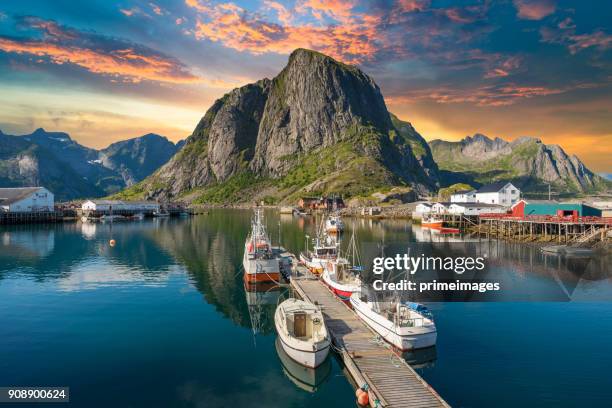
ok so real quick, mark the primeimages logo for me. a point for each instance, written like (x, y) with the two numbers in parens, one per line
(410, 264)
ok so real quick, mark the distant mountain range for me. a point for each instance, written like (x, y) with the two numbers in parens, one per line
(70, 170)
(527, 162)
(607, 176)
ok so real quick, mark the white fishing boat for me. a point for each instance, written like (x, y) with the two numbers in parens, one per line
(406, 325)
(324, 250)
(302, 332)
(261, 262)
(342, 275)
(334, 224)
(161, 214)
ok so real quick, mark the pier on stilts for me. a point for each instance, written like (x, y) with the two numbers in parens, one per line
(575, 231)
(390, 380)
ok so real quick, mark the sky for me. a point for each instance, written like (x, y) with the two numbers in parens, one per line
(104, 71)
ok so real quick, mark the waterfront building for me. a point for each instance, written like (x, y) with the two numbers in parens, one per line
(423, 208)
(553, 208)
(118, 205)
(476, 208)
(440, 208)
(503, 193)
(464, 196)
(26, 199)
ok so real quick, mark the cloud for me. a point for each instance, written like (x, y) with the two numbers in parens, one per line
(98, 54)
(156, 9)
(344, 29)
(353, 41)
(565, 34)
(284, 16)
(488, 95)
(534, 9)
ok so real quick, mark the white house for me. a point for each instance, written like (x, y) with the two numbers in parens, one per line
(440, 208)
(423, 208)
(503, 193)
(476, 208)
(465, 196)
(26, 199)
(102, 205)
(115, 205)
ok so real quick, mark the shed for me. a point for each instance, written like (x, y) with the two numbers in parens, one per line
(553, 208)
(26, 199)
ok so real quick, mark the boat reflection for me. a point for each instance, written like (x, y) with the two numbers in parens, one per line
(421, 358)
(307, 379)
(261, 299)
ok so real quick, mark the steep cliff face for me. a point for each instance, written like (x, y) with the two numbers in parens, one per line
(526, 161)
(319, 126)
(315, 102)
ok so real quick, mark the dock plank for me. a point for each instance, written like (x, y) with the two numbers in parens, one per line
(390, 379)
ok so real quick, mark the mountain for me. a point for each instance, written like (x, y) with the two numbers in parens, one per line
(320, 126)
(23, 163)
(70, 170)
(135, 159)
(607, 176)
(527, 162)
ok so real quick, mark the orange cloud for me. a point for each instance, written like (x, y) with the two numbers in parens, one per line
(340, 10)
(353, 41)
(125, 63)
(534, 9)
(284, 16)
(493, 95)
(598, 39)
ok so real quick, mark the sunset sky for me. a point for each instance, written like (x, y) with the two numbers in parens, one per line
(105, 71)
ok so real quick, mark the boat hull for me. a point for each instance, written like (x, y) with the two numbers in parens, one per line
(308, 358)
(432, 224)
(344, 292)
(261, 270)
(315, 267)
(403, 339)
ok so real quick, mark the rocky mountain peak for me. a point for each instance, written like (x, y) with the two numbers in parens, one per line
(316, 106)
(526, 161)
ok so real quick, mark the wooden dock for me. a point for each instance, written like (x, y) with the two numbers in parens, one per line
(390, 379)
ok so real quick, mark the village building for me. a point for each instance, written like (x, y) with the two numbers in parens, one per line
(423, 208)
(118, 205)
(464, 196)
(476, 208)
(440, 208)
(554, 209)
(502, 193)
(26, 199)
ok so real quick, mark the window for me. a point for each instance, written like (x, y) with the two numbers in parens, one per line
(513, 191)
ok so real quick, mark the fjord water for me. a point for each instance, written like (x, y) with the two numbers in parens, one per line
(163, 320)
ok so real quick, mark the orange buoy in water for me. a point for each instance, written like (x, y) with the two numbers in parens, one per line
(359, 392)
(112, 242)
(363, 398)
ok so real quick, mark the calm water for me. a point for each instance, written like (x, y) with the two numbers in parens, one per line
(163, 320)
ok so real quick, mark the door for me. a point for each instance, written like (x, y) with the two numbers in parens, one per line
(299, 324)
